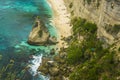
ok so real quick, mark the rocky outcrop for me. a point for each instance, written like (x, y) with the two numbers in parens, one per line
(40, 35)
(56, 67)
(105, 13)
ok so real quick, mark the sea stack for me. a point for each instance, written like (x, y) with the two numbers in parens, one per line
(40, 34)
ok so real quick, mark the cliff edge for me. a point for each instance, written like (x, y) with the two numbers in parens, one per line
(104, 13)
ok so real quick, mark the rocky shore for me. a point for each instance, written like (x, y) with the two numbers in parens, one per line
(56, 66)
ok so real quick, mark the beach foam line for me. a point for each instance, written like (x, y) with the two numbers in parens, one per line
(61, 19)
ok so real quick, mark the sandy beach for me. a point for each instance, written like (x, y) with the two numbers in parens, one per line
(61, 20)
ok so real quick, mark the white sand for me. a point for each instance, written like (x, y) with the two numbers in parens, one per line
(61, 20)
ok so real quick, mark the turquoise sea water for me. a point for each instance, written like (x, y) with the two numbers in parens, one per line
(16, 20)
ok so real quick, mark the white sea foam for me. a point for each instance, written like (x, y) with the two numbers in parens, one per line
(35, 63)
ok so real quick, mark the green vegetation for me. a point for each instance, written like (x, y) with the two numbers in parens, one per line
(71, 5)
(90, 1)
(92, 61)
(40, 33)
(113, 29)
(116, 28)
(119, 49)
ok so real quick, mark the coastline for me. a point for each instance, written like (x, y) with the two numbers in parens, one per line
(61, 20)
(56, 66)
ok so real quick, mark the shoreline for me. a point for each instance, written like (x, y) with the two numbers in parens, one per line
(56, 66)
(61, 20)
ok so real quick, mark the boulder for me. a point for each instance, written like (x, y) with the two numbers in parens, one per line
(43, 70)
(52, 64)
(63, 54)
(54, 71)
(52, 40)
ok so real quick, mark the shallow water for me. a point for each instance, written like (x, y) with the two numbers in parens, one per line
(16, 20)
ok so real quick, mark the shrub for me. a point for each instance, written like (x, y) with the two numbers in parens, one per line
(77, 52)
(119, 49)
(92, 60)
(71, 5)
(74, 54)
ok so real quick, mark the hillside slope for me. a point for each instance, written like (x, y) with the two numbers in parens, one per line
(105, 13)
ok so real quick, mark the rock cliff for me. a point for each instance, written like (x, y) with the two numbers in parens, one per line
(105, 13)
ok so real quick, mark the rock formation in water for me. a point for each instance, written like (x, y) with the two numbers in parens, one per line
(105, 13)
(40, 34)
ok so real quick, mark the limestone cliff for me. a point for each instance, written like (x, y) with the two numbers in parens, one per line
(105, 13)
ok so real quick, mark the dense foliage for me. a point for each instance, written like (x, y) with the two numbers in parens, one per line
(92, 61)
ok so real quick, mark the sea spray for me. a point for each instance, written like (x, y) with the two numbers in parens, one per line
(34, 65)
(14, 33)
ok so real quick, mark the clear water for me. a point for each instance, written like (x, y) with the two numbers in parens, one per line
(16, 20)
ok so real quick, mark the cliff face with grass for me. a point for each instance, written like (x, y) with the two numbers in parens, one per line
(92, 60)
(98, 22)
(105, 13)
(94, 46)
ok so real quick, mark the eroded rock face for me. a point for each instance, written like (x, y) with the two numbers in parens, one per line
(40, 34)
(105, 13)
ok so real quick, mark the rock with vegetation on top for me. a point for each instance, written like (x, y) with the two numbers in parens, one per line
(40, 35)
